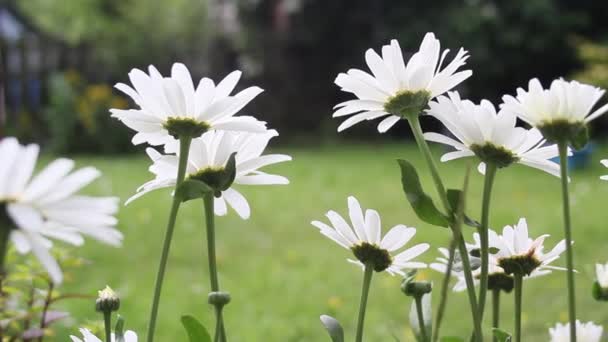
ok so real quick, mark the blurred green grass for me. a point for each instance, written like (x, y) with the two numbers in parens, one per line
(282, 273)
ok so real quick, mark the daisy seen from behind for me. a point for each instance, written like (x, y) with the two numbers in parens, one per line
(395, 89)
(490, 135)
(171, 107)
(585, 332)
(207, 161)
(87, 336)
(38, 208)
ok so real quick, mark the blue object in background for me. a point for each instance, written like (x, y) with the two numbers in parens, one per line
(579, 159)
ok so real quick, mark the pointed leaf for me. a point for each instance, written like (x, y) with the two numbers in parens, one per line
(191, 189)
(333, 328)
(421, 203)
(230, 172)
(501, 335)
(454, 198)
(196, 331)
(119, 329)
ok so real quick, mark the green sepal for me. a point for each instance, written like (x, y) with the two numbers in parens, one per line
(333, 327)
(454, 196)
(196, 331)
(599, 293)
(421, 203)
(119, 328)
(191, 189)
(501, 336)
(580, 139)
(230, 170)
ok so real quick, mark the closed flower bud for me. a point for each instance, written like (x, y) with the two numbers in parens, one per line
(219, 298)
(107, 300)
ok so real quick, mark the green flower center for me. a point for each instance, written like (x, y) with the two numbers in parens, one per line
(407, 103)
(575, 133)
(492, 154)
(215, 177)
(521, 265)
(179, 127)
(369, 254)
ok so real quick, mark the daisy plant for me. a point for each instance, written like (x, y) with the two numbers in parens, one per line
(495, 140)
(371, 251)
(396, 90)
(172, 111)
(216, 162)
(36, 208)
(562, 114)
(519, 256)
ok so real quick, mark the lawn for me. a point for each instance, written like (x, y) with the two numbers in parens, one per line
(282, 273)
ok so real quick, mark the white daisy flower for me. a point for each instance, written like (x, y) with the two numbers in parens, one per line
(519, 254)
(605, 163)
(363, 238)
(170, 104)
(585, 332)
(563, 101)
(601, 275)
(491, 136)
(87, 336)
(207, 160)
(395, 89)
(46, 206)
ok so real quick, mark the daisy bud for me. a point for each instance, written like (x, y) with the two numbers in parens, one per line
(412, 288)
(600, 286)
(500, 281)
(407, 104)
(107, 300)
(219, 298)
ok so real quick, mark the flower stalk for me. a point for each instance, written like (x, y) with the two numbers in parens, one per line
(423, 332)
(367, 278)
(518, 280)
(495, 311)
(483, 235)
(220, 333)
(414, 122)
(444, 290)
(184, 143)
(563, 160)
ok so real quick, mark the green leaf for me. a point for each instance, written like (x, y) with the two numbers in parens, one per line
(453, 199)
(191, 189)
(196, 331)
(451, 339)
(421, 203)
(333, 328)
(501, 335)
(119, 329)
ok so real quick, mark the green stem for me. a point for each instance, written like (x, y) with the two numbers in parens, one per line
(483, 235)
(563, 160)
(423, 334)
(184, 149)
(518, 294)
(495, 311)
(4, 237)
(209, 201)
(107, 321)
(444, 290)
(367, 279)
(457, 234)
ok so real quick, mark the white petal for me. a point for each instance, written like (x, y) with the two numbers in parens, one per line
(237, 202)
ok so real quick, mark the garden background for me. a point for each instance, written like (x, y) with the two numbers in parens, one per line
(60, 59)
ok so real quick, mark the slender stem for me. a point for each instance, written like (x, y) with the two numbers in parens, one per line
(4, 237)
(215, 284)
(563, 160)
(444, 290)
(107, 321)
(367, 279)
(184, 149)
(495, 311)
(423, 333)
(424, 148)
(45, 309)
(518, 294)
(483, 236)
